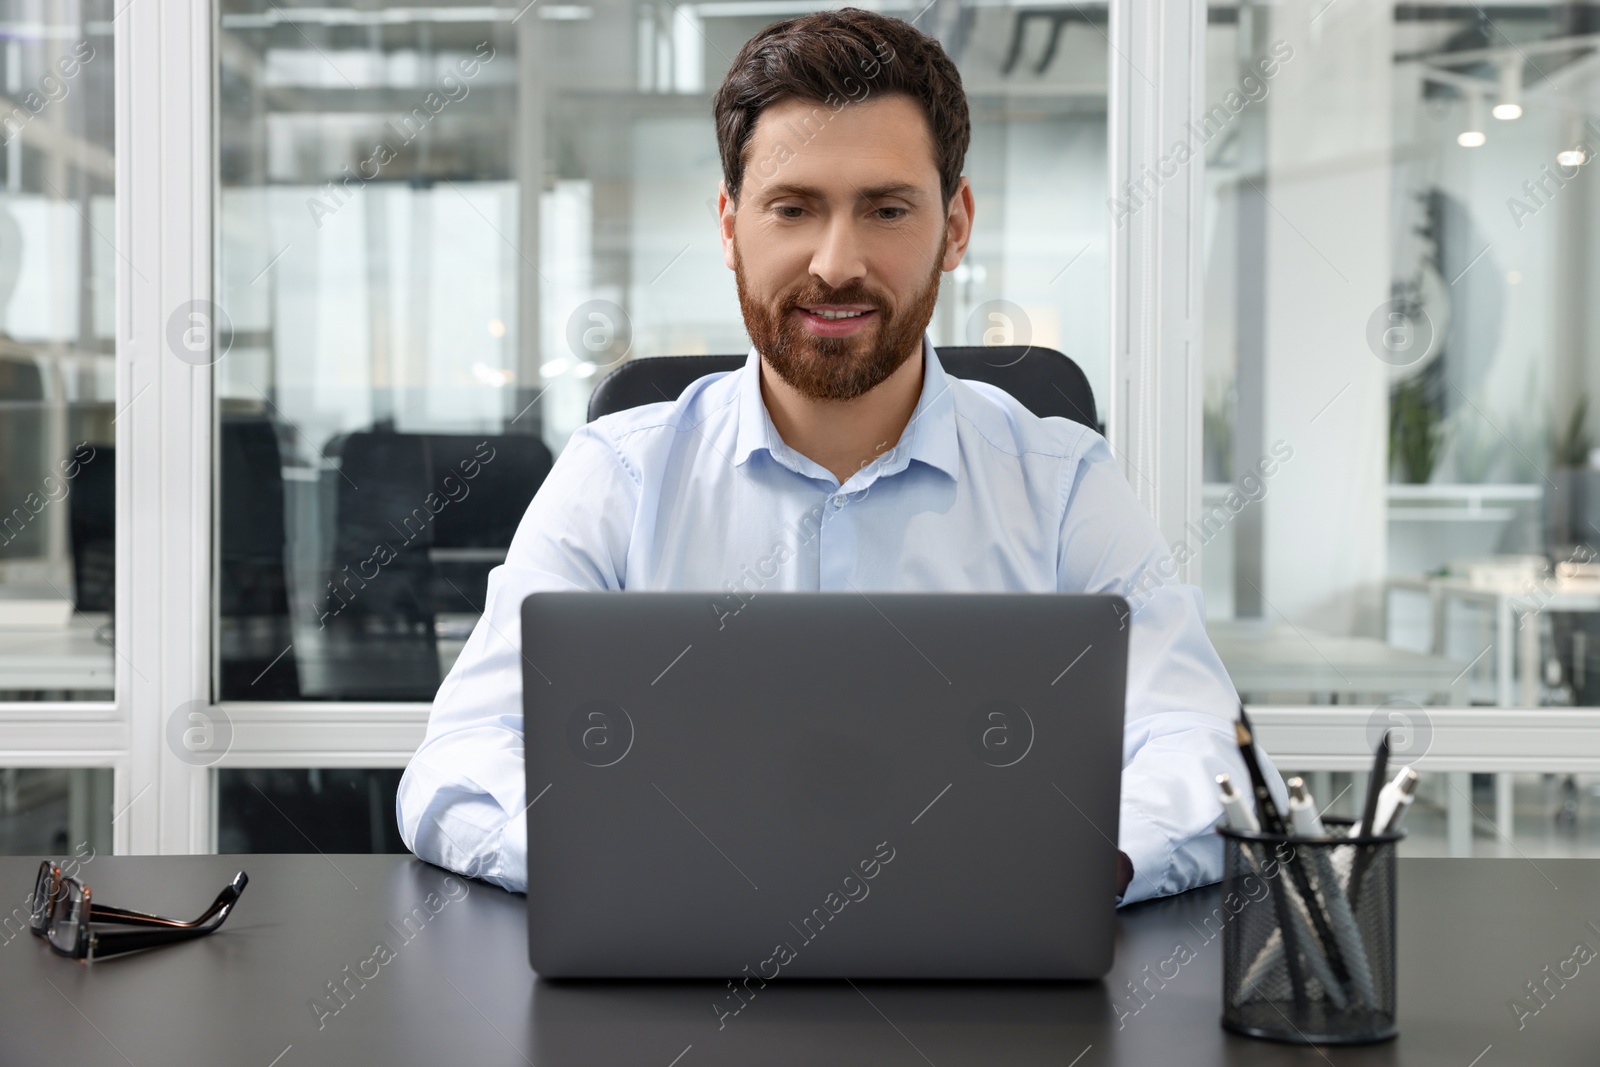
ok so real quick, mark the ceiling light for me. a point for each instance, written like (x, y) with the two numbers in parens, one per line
(1472, 136)
(1510, 94)
(1575, 150)
(497, 377)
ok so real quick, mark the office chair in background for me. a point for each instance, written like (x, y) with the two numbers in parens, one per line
(23, 463)
(1043, 380)
(381, 634)
(92, 528)
(257, 658)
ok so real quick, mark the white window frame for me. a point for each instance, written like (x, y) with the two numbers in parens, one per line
(165, 180)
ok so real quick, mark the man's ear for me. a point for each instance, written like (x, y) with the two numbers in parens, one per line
(725, 213)
(959, 225)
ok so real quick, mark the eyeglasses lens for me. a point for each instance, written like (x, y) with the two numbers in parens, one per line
(69, 917)
(43, 900)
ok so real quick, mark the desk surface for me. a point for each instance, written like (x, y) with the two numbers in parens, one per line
(1472, 932)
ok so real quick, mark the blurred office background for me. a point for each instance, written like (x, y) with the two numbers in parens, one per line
(1419, 170)
(436, 225)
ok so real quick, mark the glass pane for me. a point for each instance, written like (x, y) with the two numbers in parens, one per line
(57, 345)
(439, 226)
(315, 810)
(56, 812)
(1402, 488)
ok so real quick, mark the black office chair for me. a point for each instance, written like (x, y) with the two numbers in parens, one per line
(376, 613)
(92, 524)
(23, 462)
(1045, 381)
(380, 629)
(470, 537)
(257, 656)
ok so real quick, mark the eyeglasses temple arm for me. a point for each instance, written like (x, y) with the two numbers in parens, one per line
(131, 941)
(106, 913)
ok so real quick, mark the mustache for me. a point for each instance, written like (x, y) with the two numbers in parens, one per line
(841, 296)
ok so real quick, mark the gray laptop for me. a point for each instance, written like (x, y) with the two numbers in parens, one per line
(822, 785)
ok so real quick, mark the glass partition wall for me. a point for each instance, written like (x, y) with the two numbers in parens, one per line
(57, 389)
(438, 226)
(1402, 488)
(57, 376)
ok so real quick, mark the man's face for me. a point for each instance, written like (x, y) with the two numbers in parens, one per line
(839, 239)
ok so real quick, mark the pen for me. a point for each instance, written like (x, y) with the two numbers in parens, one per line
(1307, 823)
(1234, 808)
(1272, 820)
(1302, 812)
(1238, 816)
(1272, 954)
(1395, 801)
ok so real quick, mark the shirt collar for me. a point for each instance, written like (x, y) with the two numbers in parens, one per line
(929, 437)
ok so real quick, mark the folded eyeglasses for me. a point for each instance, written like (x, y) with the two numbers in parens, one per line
(64, 909)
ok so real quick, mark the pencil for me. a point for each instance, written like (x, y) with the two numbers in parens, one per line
(1273, 821)
(1266, 808)
(1380, 767)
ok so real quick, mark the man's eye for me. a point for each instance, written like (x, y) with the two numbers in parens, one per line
(890, 218)
(783, 212)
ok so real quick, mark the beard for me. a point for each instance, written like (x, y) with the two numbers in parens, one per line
(835, 368)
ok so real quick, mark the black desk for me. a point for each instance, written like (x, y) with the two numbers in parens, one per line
(1472, 932)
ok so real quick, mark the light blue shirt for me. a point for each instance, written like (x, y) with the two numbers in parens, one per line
(700, 493)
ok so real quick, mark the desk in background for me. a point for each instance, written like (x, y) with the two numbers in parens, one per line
(1516, 644)
(1264, 657)
(459, 991)
(1517, 662)
(71, 657)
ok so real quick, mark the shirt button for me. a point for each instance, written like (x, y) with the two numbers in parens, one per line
(839, 500)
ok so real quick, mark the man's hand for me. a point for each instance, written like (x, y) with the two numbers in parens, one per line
(1124, 872)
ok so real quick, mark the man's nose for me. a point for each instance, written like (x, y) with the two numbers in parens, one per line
(838, 259)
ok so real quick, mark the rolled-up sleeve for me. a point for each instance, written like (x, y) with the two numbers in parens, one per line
(1181, 705)
(462, 801)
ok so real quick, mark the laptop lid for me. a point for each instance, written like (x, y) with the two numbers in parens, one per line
(823, 785)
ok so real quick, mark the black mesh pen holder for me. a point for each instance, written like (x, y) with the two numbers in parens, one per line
(1308, 936)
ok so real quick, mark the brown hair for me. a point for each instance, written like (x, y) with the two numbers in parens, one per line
(835, 58)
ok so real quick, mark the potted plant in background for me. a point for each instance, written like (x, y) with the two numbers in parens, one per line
(1216, 433)
(1572, 511)
(1416, 432)
(1572, 532)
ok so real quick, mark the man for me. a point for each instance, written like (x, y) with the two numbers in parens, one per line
(840, 457)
